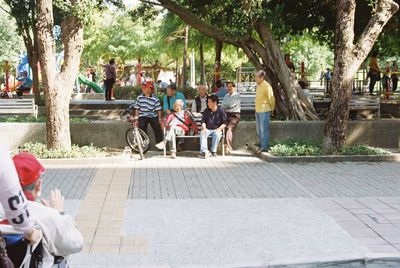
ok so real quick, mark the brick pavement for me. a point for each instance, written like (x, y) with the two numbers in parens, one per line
(363, 198)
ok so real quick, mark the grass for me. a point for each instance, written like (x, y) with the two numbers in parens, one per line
(40, 150)
(298, 147)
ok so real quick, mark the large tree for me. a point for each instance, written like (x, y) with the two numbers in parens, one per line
(353, 41)
(71, 17)
(246, 26)
(58, 86)
(349, 54)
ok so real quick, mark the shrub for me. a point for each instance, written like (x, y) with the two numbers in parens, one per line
(126, 92)
(293, 147)
(40, 150)
(362, 150)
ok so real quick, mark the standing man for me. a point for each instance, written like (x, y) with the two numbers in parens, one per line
(170, 98)
(212, 124)
(265, 104)
(374, 72)
(231, 105)
(148, 109)
(111, 76)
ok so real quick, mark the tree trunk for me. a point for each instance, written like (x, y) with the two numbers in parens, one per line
(272, 60)
(58, 87)
(217, 65)
(185, 58)
(348, 58)
(202, 66)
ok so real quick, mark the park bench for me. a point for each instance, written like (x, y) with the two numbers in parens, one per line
(18, 107)
(197, 119)
(247, 102)
(317, 91)
(365, 104)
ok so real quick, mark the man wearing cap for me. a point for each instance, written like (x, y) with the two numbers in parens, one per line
(14, 205)
(60, 234)
(26, 84)
(148, 109)
(170, 98)
(178, 123)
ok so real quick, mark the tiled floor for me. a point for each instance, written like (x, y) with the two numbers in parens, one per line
(363, 198)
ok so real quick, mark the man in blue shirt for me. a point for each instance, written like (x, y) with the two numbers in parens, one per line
(148, 109)
(26, 84)
(171, 97)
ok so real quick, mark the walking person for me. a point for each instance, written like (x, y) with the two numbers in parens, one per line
(231, 105)
(265, 104)
(148, 109)
(111, 76)
(374, 72)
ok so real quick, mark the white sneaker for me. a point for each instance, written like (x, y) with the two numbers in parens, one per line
(160, 145)
(173, 155)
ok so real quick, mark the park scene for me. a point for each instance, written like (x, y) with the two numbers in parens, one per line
(166, 133)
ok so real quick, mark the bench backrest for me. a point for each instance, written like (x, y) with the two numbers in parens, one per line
(365, 103)
(18, 106)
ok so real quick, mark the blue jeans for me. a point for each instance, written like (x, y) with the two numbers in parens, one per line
(216, 137)
(262, 125)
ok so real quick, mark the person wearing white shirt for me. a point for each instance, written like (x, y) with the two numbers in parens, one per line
(231, 105)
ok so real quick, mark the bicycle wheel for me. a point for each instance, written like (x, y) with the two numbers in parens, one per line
(133, 143)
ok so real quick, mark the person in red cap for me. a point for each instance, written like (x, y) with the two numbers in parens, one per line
(14, 206)
(29, 171)
(61, 237)
(148, 109)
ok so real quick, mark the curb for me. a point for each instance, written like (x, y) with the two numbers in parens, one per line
(391, 157)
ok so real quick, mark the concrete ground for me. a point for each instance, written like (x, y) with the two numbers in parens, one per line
(233, 211)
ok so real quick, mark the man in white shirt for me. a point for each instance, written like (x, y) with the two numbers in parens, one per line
(231, 105)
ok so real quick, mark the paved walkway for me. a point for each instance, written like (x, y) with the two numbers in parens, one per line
(236, 210)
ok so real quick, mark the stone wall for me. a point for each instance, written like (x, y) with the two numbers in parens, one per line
(380, 133)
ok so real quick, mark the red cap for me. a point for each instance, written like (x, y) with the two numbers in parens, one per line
(149, 84)
(28, 168)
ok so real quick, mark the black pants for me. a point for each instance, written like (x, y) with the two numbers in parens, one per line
(21, 90)
(109, 83)
(155, 125)
(394, 84)
(372, 81)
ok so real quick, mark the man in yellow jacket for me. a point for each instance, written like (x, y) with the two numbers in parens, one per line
(265, 104)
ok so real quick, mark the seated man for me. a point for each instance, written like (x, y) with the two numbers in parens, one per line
(179, 123)
(61, 238)
(200, 102)
(26, 84)
(231, 105)
(213, 122)
(148, 109)
(170, 98)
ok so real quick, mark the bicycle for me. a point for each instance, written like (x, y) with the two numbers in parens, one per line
(136, 138)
